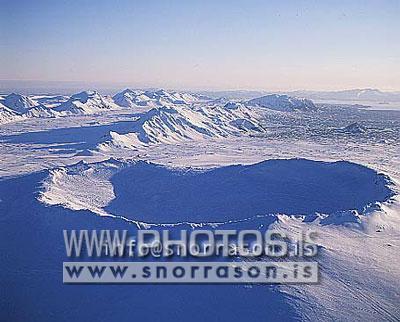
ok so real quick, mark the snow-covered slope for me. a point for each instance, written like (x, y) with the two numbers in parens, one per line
(130, 98)
(99, 191)
(283, 103)
(180, 122)
(18, 103)
(133, 98)
(358, 269)
(40, 111)
(15, 107)
(7, 115)
(87, 102)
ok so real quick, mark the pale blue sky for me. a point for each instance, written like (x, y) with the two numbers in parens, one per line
(272, 45)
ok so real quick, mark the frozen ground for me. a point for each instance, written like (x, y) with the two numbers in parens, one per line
(61, 165)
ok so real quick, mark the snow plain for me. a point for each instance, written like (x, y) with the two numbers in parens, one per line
(333, 168)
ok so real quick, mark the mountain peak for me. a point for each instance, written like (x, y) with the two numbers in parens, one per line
(84, 96)
(86, 102)
(18, 103)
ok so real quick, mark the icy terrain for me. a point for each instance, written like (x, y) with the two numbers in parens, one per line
(156, 158)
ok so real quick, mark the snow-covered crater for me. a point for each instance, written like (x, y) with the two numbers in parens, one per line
(145, 192)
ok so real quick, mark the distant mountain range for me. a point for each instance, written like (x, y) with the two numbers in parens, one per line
(352, 95)
(368, 94)
(130, 98)
(172, 107)
(15, 107)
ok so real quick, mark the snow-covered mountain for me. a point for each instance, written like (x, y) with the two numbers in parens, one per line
(7, 115)
(40, 111)
(233, 105)
(178, 123)
(18, 103)
(130, 98)
(87, 102)
(281, 102)
(134, 98)
(16, 107)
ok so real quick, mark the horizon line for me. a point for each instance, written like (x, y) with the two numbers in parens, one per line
(129, 85)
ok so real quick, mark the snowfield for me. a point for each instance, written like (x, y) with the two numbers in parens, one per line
(145, 159)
